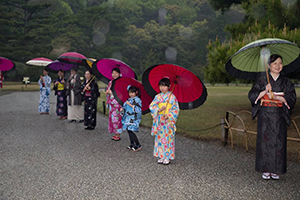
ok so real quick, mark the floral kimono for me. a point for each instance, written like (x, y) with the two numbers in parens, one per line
(115, 117)
(132, 116)
(164, 130)
(45, 90)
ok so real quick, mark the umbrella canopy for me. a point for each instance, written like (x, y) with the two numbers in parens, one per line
(71, 57)
(119, 89)
(39, 62)
(6, 64)
(56, 65)
(188, 88)
(102, 69)
(88, 63)
(246, 63)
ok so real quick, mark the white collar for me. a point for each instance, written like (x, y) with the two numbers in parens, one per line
(275, 79)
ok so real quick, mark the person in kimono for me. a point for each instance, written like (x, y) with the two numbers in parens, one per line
(273, 117)
(164, 110)
(75, 110)
(115, 117)
(131, 120)
(45, 90)
(60, 88)
(90, 93)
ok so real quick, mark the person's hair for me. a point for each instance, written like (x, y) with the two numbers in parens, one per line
(46, 69)
(61, 71)
(74, 69)
(88, 71)
(274, 57)
(164, 82)
(133, 89)
(116, 70)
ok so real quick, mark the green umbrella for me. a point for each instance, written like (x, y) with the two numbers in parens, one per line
(250, 61)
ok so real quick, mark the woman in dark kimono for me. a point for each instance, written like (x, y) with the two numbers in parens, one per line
(272, 119)
(90, 94)
(60, 90)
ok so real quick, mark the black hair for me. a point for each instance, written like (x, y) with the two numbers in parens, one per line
(274, 57)
(46, 69)
(60, 70)
(116, 70)
(164, 82)
(133, 89)
(74, 69)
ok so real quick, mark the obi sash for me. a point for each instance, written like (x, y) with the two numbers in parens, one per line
(88, 93)
(160, 105)
(267, 102)
(60, 86)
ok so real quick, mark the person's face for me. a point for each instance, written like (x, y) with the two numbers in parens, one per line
(163, 88)
(115, 74)
(87, 75)
(60, 74)
(132, 94)
(45, 73)
(73, 73)
(276, 66)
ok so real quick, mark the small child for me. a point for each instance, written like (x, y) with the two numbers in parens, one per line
(132, 117)
(164, 118)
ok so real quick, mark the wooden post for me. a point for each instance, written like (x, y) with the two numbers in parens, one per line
(104, 107)
(226, 130)
(223, 129)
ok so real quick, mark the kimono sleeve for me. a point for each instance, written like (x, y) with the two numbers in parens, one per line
(290, 97)
(154, 107)
(138, 106)
(48, 82)
(174, 110)
(253, 94)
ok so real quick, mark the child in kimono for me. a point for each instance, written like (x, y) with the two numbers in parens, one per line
(132, 117)
(164, 110)
(115, 117)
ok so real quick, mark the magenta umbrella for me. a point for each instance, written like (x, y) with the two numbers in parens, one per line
(102, 69)
(41, 61)
(6, 64)
(120, 90)
(71, 57)
(56, 65)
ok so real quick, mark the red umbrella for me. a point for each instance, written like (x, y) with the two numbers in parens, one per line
(71, 57)
(39, 61)
(6, 64)
(120, 92)
(102, 69)
(186, 86)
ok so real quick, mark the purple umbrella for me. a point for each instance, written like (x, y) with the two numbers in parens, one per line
(102, 69)
(6, 64)
(57, 65)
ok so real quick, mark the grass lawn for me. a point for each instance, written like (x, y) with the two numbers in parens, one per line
(192, 122)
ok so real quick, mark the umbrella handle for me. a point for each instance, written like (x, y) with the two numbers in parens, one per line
(169, 99)
(90, 81)
(268, 79)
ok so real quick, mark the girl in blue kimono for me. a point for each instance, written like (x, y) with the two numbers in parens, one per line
(45, 90)
(132, 117)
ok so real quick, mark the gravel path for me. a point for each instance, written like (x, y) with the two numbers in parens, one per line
(42, 157)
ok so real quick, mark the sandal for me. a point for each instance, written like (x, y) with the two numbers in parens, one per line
(115, 138)
(160, 161)
(137, 148)
(266, 176)
(166, 162)
(274, 176)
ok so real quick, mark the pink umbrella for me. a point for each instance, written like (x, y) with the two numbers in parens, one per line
(71, 57)
(39, 61)
(6, 64)
(119, 89)
(102, 69)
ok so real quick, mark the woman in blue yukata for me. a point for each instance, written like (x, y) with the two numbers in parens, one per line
(45, 90)
(132, 117)
(164, 110)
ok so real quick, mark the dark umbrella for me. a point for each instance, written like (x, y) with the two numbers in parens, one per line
(102, 69)
(71, 57)
(56, 65)
(186, 86)
(119, 89)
